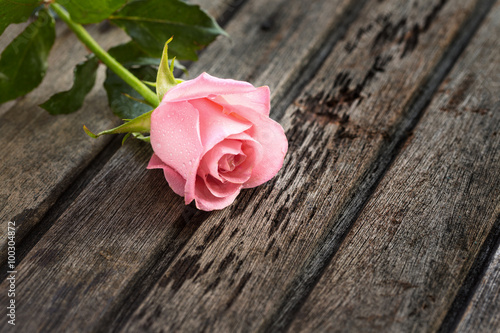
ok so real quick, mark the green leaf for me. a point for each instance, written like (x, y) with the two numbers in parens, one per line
(141, 124)
(130, 53)
(165, 78)
(24, 62)
(117, 91)
(71, 100)
(16, 11)
(141, 65)
(91, 11)
(151, 22)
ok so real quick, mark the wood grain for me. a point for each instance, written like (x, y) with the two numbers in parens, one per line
(95, 258)
(401, 265)
(237, 271)
(483, 312)
(43, 154)
(221, 10)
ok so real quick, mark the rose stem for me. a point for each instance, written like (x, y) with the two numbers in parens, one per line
(104, 56)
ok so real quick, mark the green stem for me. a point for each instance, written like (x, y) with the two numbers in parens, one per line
(104, 56)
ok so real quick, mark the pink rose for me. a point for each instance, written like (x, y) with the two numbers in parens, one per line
(213, 137)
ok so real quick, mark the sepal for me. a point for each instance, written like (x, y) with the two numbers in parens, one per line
(135, 127)
(165, 78)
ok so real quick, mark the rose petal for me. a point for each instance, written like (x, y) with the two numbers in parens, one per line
(258, 100)
(274, 139)
(174, 179)
(204, 86)
(197, 116)
(205, 200)
(175, 138)
(270, 135)
(228, 163)
(221, 189)
(209, 163)
(215, 126)
(253, 152)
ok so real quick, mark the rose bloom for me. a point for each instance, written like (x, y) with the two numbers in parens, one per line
(213, 137)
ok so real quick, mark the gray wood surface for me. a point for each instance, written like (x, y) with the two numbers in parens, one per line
(388, 193)
(483, 312)
(219, 9)
(108, 242)
(43, 154)
(402, 263)
(239, 270)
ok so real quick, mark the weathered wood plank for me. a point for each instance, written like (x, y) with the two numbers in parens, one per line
(272, 46)
(409, 251)
(483, 312)
(239, 269)
(108, 242)
(219, 9)
(42, 154)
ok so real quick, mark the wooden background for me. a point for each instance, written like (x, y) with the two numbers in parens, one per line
(385, 216)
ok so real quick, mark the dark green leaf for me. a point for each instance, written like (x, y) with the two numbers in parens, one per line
(24, 62)
(143, 66)
(72, 100)
(16, 11)
(130, 54)
(140, 64)
(152, 22)
(91, 11)
(117, 89)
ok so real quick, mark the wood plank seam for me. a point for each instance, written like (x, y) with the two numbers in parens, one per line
(483, 312)
(471, 283)
(387, 205)
(314, 63)
(115, 317)
(62, 203)
(302, 286)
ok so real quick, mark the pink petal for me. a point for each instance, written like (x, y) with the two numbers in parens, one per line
(215, 126)
(221, 189)
(174, 179)
(204, 86)
(205, 200)
(175, 138)
(228, 163)
(253, 152)
(209, 163)
(271, 136)
(258, 100)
